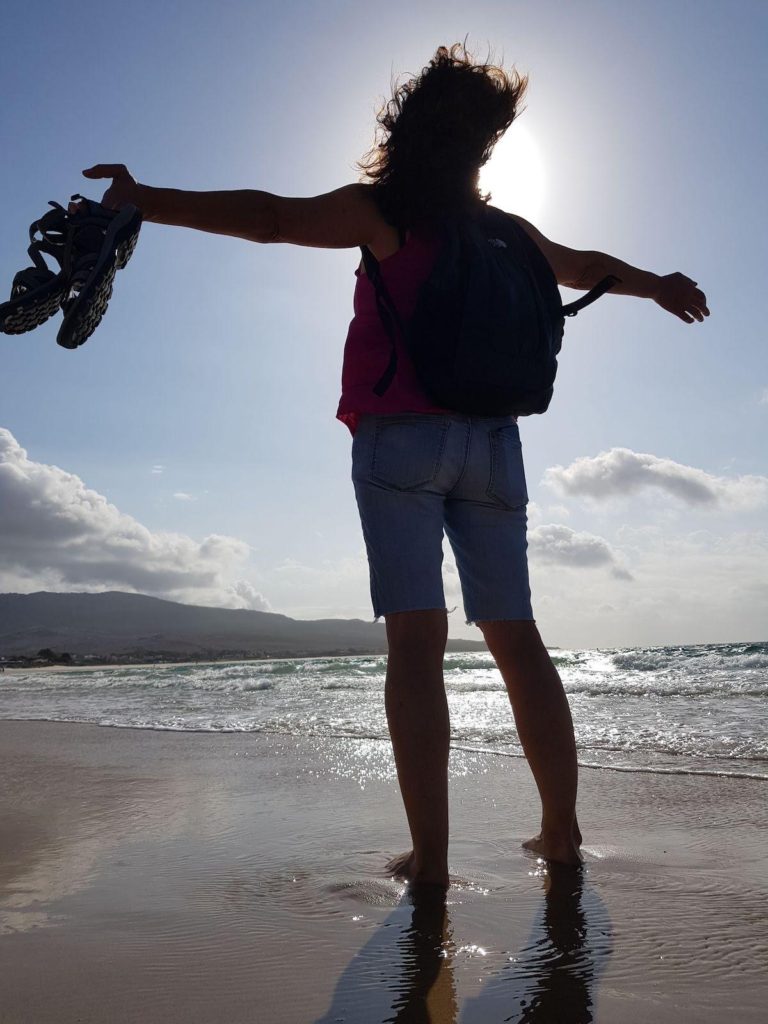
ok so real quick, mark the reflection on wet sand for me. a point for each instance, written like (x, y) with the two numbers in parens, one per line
(427, 990)
(66, 822)
(404, 974)
(553, 979)
(50, 856)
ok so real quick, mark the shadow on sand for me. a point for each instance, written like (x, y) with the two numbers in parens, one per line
(405, 975)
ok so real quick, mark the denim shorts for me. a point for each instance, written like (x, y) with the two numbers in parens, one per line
(417, 475)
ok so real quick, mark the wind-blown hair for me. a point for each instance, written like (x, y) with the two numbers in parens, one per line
(438, 130)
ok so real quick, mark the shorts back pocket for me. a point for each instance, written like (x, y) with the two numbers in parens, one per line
(507, 485)
(407, 450)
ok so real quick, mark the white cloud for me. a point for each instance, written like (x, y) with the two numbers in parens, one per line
(621, 472)
(556, 544)
(58, 534)
(157, 470)
(535, 514)
(183, 496)
(558, 512)
(252, 598)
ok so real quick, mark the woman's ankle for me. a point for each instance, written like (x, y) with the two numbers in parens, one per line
(429, 869)
(558, 828)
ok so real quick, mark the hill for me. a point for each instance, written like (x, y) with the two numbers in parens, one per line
(138, 627)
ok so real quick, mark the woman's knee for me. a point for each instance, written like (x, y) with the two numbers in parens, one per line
(512, 637)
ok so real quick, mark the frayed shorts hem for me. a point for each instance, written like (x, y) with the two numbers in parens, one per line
(499, 618)
(397, 610)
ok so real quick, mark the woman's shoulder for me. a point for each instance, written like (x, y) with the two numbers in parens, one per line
(390, 234)
(370, 197)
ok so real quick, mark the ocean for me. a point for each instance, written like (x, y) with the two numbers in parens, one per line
(698, 709)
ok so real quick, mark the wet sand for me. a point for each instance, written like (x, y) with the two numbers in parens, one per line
(156, 876)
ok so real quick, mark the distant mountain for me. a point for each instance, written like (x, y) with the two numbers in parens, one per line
(115, 623)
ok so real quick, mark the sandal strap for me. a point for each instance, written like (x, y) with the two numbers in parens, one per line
(73, 240)
(52, 225)
(52, 228)
(93, 213)
(86, 229)
(55, 249)
(29, 279)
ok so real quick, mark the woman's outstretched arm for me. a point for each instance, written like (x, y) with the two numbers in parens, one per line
(576, 268)
(344, 218)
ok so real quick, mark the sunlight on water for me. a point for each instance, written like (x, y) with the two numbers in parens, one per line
(666, 709)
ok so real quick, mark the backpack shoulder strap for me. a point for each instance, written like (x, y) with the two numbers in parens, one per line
(594, 293)
(504, 221)
(388, 314)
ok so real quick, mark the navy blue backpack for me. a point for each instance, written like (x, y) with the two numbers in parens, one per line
(489, 320)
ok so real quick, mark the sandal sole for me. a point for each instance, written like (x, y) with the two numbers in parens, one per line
(88, 309)
(29, 311)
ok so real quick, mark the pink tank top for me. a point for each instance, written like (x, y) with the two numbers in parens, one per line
(368, 347)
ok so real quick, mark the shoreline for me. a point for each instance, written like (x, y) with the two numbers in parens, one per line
(458, 746)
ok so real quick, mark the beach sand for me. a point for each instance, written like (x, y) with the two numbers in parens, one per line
(198, 877)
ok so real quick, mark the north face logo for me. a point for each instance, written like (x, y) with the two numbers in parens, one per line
(497, 243)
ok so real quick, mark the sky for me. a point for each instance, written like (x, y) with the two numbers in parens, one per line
(190, 450)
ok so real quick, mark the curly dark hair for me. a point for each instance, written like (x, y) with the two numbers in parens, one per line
(438, 130)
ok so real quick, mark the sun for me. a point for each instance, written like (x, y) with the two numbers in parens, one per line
(515, 175)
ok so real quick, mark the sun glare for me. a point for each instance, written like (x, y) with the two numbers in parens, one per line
(515, 174)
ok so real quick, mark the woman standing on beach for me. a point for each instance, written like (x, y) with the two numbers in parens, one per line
(420, 469)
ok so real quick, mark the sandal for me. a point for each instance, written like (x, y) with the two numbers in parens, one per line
(100, 242)
(37, 292)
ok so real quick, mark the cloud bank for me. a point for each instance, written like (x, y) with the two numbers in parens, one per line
(58, 534)
(620, 472)
(556, 544)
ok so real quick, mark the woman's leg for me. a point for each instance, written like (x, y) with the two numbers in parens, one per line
(545, 728)
(417, 714)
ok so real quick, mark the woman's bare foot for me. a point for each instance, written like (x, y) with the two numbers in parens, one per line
(404, 866)
(562, 851)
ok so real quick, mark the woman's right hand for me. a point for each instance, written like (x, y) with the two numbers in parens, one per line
(124, 188)
(680, 295)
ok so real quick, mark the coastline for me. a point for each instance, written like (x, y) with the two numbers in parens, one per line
(203, 877)
(271, 659)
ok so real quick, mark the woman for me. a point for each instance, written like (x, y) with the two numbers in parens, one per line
(419, 469)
